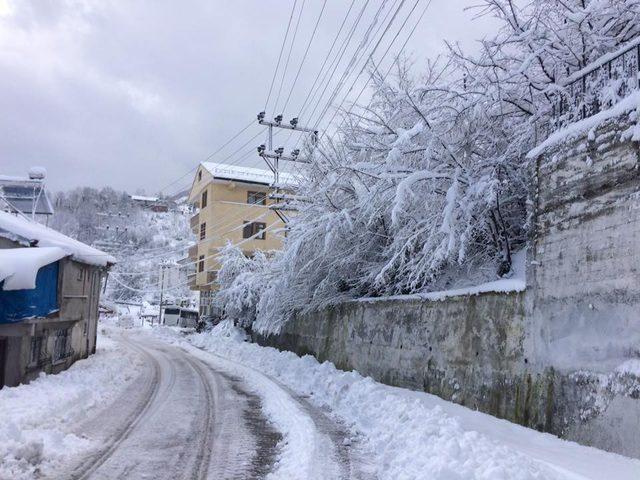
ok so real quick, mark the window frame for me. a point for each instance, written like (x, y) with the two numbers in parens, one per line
(204, 198)
(203, 230)
(253, 228)
(254, 194)
(201, 264)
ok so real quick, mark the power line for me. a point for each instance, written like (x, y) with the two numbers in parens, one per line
(395, 14)
(284, 41)
(211, 155)
(286, 65)
(326, 58)
(304, 57)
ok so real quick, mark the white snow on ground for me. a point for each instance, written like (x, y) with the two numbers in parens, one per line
(35, 419)
(413, 435)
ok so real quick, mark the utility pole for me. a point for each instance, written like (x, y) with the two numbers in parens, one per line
(161, 294)
(273, 157)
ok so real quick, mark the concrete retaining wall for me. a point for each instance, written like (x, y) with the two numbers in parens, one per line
(546, 358)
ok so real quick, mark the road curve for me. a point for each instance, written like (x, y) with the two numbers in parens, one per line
(180, 419)
(195, 416)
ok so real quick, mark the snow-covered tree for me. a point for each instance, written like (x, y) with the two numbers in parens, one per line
(425, 187)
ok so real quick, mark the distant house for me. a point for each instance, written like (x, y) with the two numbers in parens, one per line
(154, 204)
(49, 299)
(26, 195)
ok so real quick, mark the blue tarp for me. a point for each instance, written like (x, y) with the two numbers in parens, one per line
(17, 305)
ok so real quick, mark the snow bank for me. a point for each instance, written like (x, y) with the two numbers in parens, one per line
(36, 419)
(19, 266)
(577, 129)
(413, 435)
(19, 228)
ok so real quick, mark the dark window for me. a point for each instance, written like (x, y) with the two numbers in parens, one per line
(201, 263)
(203, 230)
(204, 199)
(200, 175)
(62, 344)
(257, 198)
(171, 311)
(253, 228)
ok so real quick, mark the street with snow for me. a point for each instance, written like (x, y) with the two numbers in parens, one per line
(320, 240)
(154, 403)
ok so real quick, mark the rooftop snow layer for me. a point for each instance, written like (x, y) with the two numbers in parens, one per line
(19, 266)
(247, 174)
(16, 227)
(141, 198)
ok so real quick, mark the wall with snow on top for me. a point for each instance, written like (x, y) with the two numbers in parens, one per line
(562, 356)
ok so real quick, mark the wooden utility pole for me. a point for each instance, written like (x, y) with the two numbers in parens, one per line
(161, 295)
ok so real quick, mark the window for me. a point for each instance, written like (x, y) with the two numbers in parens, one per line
(36, 350)
(200, 175)
(257, 198)
(201, 263)
(203, 230)
(253, 228)
(203, 203)
(61, 345)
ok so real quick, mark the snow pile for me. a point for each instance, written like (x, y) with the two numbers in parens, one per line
(20, 229)
(413, 435)
(35, 419)
(19, 266)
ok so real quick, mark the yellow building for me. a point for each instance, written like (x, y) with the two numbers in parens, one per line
(232, 204)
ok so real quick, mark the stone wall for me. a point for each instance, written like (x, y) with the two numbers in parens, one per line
(546, 358)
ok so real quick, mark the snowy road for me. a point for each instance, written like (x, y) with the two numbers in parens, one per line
(191, 416)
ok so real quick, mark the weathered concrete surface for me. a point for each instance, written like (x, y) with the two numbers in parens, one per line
(583, 297)
(465, 349)
(545, 358)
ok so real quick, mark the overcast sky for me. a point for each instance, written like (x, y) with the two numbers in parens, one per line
(134, 93)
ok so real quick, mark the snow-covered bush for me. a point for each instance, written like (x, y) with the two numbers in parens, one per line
(425, 188)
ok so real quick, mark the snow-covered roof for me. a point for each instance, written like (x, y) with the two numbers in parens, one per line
(141, 198)
(241, 173)
(19, 266)
(18, 228)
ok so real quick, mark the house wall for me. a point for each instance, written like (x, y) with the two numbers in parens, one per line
(78, 295)
(551, 358)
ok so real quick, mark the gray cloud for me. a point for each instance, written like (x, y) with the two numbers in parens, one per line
(133, 93)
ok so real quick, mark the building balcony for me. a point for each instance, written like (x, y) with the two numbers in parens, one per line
(194, 223)
(212, 276)
(193, 252)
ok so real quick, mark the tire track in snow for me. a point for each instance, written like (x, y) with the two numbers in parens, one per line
(152, 387)
(313, 446)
